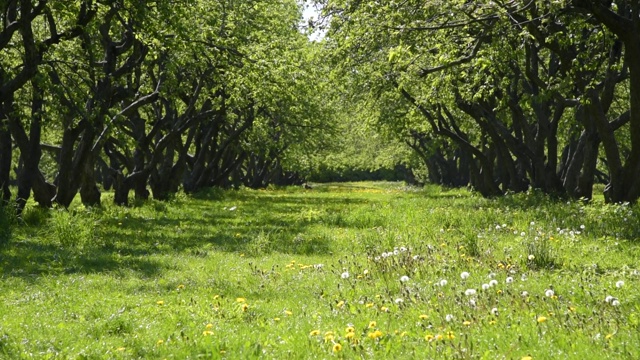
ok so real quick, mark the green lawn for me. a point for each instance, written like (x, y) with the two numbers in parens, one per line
(357, 270)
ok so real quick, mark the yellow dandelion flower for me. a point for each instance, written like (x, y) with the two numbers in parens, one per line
(328, 338)
(499, 292)
(241, 300)
(121, 349)
(608, 336)
(374, 334)
(215, 297)
(429, 337)
(501, 266)
(340, 304)
(542, 319)
(222, 352)
(424, 317)
(314, 333)
(207, 333)
(439, 337)
(209, 326)
(384, 309)
(403, 334)
(276, 319)
(372, 324)
(160, 302)
(492, 322)
(159, 342)
(288, 313)
(466, 323)
(337, 347)
(359, 277)
(180, 287)
(350, 329)
(527, 358)
(451, 335)
(350, 335)
(245, 307)
(368, 305)
(572, 308)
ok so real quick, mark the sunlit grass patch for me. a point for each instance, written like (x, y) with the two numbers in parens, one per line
(324, 273)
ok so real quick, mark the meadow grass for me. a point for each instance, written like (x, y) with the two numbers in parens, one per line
(356, 270)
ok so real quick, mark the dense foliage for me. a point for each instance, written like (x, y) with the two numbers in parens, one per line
(502, 95)
(130, 95)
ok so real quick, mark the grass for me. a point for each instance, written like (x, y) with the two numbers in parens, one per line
(340, 271)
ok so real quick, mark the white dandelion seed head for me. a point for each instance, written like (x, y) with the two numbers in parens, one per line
(524, 294)
(620, 284)
(404, 278)
(532, 223)
(443, 282)
(492, 275)
(509, 280)
(449, 318)
(416, 257)
(615, 302)
(470, 292)
(377, 258)
(486, 287)
(531, 257)
(472, 303)
(403, 249)
(494, 311)
(464, 275)
(345, 275)
(441, 231)
(493, 282)
(398, 301)
(523, 277)
(523, 233)
(396, 252)
(549, 293)
(609, 298)
(318, 266)
(504, 225)
(498, 227)
(582, 227)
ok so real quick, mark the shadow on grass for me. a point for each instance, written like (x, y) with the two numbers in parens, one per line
(128, 239)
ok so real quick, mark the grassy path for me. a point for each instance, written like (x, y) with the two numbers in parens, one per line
(363, 270)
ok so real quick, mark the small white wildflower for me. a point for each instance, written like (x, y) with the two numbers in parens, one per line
(404, 278)
(615, 302)
(531, 257)
(504, 225)
(532, 223)
(549, 293)
(620, 284)
(399, 301)
(581, 227)
(524, 294)
(498, 227)
(365, 272)
(609, 298)
(470, 292)
(345, 275)
(448, 318)
(509, 280)
(486, 287)
(493, 282)
(523, 233)
(494, 311)
(443, 282)
(464, 275)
